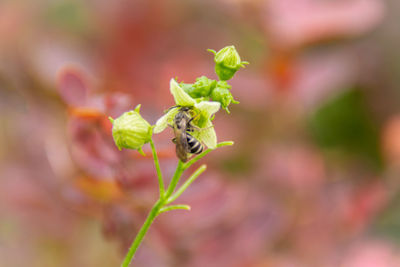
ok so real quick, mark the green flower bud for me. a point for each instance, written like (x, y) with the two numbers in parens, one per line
(204, 86)
(227, 62)
(201, 88)
(188, 88)
(222, 95)
(131, 131)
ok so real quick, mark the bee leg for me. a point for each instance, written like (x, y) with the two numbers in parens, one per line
(192, 118)
(176, 106)
(196, 116)
(202, 129)
(190, 129)
(174, 140)
(196, 128)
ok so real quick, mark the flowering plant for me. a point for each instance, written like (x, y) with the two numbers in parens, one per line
(203, 98)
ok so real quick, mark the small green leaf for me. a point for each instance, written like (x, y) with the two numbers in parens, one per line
(174, 207)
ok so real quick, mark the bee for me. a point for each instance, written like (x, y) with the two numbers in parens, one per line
(184, 141)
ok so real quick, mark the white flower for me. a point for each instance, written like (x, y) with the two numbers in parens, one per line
(203, 109)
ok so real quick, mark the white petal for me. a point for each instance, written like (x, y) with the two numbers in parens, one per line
(180, 96)
(207, 135)
(208, 108)
(165, 120)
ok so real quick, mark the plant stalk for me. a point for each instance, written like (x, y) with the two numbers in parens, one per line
(165, 197)
(142, 232)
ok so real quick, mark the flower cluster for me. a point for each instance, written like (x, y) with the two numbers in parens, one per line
(204, 98)
(227, 63)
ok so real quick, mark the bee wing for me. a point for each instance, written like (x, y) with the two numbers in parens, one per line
(182, 147)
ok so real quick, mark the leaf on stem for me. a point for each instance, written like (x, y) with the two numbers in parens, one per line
(174, 207)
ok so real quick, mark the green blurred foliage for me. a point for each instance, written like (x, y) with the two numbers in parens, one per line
(344, 124)
(238, 165)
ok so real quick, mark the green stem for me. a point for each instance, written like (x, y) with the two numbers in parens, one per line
(158, 169)
(150, 218)
(186, 184)
(154, 211)
(165, 197)
(175, 179)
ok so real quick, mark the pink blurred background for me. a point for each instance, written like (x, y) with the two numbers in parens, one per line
(313, 177)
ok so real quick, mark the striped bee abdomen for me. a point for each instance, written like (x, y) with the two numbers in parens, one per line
(195, 147)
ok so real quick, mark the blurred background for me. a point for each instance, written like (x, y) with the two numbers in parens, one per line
(313, 177)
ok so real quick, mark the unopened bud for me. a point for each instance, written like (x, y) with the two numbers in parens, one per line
(222, 94)
(227, 62)
(131, 131)
(201, 88)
